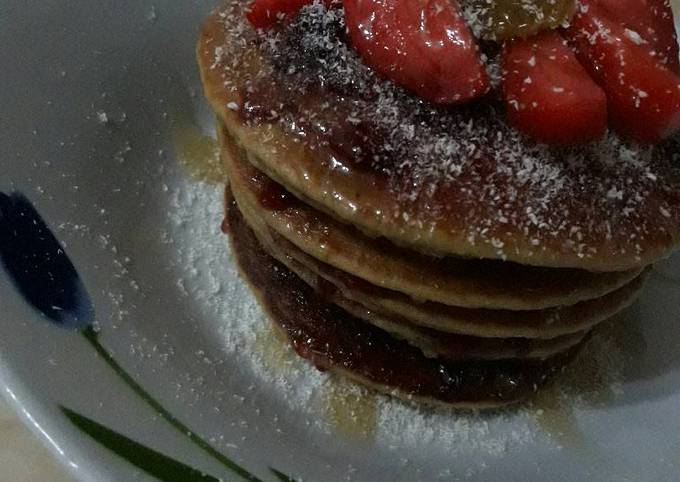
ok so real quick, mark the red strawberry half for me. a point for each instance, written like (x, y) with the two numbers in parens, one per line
(643, 95)
(548, 94)
(649, 21)
(422, 45)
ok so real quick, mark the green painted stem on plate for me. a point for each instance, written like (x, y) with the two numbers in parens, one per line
(281, 477)
(92, 337)
(154, 463)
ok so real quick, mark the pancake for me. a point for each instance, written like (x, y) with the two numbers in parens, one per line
(450, 182)
(433, 344)
(446, 346)
(334, 340)
(542, 324)
(449, 346)
(458, 282)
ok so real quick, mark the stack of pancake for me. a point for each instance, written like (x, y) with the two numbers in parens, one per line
(430, 253)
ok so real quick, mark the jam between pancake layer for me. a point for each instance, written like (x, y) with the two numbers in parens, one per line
(334, 340)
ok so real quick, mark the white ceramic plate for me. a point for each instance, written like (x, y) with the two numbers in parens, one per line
(96, 99)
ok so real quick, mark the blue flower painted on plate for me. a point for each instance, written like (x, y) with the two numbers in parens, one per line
(38, 265)
(47, 279)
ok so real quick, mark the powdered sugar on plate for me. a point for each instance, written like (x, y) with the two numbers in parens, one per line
(207, 275)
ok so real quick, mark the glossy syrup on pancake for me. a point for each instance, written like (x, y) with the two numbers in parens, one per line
(333, 340)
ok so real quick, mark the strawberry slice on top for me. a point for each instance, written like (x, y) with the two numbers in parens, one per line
(643, 94)
(548, 94)
(647, 21)
(424, 46)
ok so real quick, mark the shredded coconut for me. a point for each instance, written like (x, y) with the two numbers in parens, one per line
(468, 153)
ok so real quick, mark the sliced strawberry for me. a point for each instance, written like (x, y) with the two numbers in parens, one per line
(643, 95)
(549, 95)
(267, 13)
(649, 21)
(422, 45)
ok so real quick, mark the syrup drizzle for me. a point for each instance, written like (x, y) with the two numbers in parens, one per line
(198, 154)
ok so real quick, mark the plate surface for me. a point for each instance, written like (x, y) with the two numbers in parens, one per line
(99, 101)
